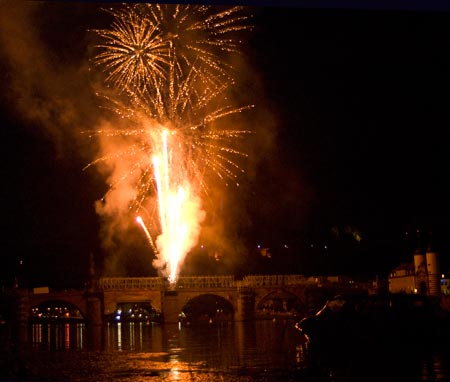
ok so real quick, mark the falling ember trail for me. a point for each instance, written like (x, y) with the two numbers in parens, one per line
(147, 234)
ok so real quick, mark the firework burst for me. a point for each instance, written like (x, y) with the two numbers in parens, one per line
(167, 63)
(133, 53)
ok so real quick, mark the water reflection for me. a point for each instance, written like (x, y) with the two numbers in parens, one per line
(132, 336)
(436, 367)
(58, 336)
(257, 351)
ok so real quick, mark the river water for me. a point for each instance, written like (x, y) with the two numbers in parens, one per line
(255, 351)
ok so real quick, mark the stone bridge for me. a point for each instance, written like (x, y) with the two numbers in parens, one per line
(252, 296)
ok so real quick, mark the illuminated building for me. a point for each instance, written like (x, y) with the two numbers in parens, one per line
(422, 276)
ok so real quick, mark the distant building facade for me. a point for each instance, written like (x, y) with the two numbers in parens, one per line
(422, 276)
(402, 279)
(445, 285)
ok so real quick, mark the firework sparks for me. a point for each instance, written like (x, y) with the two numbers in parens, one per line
(180, 212)
(150, 43)
(199, 36)
(133, 54)
(167, 60)
(140, 221)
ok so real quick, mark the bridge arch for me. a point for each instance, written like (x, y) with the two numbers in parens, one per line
(207, 307)
(113, 298)
(73, 299)
(134, 311)
(277, 302)
(56, 309)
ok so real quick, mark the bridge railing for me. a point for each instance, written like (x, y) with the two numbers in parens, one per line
(131, 283)
(205, 282)
(273, 280)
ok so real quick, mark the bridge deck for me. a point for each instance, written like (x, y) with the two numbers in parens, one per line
(206, 282)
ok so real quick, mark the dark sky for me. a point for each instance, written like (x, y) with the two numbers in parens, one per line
(361, 97)
(358, 103)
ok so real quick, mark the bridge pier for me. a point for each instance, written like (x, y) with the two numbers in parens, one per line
(22, 316)
(171, 307)
(245, 304)
(94, 321)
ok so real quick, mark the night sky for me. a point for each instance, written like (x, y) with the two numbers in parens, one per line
(349, 166)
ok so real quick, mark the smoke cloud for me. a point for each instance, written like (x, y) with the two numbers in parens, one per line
(51, 87)
(45, 88)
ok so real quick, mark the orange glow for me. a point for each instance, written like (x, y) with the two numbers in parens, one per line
(180, 211)
(171, 92)
(147, 234)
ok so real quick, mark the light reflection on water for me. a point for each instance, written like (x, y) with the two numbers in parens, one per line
(259, 351)
(153, 352)
(62, 336)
